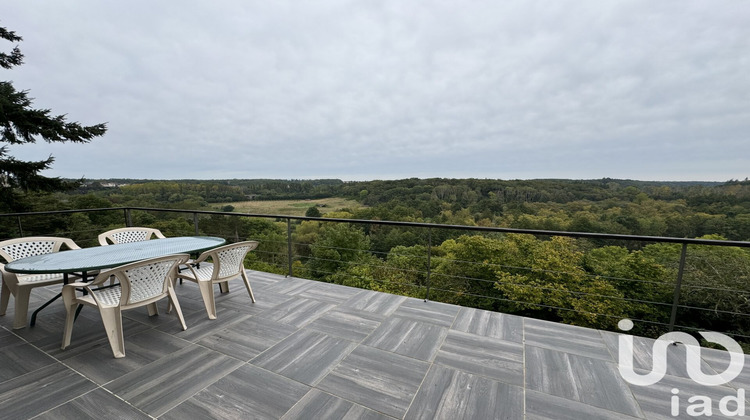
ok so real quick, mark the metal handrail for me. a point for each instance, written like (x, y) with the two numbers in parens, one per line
(536, 232)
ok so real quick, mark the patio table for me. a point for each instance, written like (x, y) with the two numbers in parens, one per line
(102, 257)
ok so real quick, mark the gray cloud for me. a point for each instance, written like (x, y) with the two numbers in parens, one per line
(389, 89)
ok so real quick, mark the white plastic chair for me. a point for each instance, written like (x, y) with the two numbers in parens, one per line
(140, 284)
(20, 285)
(129, 234)
(227, 264)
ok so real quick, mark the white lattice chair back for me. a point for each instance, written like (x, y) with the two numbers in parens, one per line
(132, 236)
(231, 260)
(139, 282)
(147, 282)
(15, 249)
(128, 235)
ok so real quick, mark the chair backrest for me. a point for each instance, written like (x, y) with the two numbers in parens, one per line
(228, 259)
(14, 249)
(129, 234)
(141, 281)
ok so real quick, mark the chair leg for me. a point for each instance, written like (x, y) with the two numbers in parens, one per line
(169, 301)
(176, 304)
(153, 309)
(207, 292)
(4, 298)
(224, 287)
(70, 308)
(22, 307)
(247, 284)
(112, 320)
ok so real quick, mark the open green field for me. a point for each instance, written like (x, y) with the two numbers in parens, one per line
(290, 207)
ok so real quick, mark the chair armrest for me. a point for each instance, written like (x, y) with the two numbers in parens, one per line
(69, 292)
(78, 284)
(202, 257)
(8, 277)
(70, 244)
(188, 266)
(102, 277)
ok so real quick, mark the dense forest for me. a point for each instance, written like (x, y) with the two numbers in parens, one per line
(676, 209)
(585, 282)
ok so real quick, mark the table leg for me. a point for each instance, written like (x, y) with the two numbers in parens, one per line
(33, 315)
(85, 277)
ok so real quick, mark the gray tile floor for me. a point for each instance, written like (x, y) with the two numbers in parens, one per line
(310, 350)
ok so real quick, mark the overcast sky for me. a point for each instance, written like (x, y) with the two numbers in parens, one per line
(388, 89)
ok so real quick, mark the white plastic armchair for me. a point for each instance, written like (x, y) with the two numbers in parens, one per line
(140, 284)
(227, 264)
(129, 234)
(20, 285)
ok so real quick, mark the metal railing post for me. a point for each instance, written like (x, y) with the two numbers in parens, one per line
(128, 220)
(20, 228)
(289, 246)
(677, 287)
(429, 265)
(195, 223)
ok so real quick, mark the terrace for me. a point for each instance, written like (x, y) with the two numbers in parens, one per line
(308, 349)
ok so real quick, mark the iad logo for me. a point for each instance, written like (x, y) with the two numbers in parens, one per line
(693, 362)
(693, 365)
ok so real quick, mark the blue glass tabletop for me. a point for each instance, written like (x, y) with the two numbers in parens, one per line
(101, 257)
